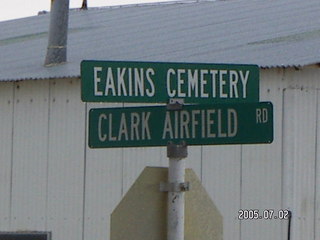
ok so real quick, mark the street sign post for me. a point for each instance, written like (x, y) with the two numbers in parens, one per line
(194, 124)
(112, 81)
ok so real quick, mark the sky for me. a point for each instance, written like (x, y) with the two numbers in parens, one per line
(13, 9)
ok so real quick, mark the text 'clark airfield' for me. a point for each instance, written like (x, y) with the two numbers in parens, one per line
(157, 82)
(196, 124)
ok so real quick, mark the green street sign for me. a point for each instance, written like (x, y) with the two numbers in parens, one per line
(196, 124)
(154, 82)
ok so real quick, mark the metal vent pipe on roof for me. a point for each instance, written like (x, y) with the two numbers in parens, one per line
(58, 31)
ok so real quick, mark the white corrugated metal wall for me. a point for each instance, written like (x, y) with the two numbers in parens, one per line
(50, 180)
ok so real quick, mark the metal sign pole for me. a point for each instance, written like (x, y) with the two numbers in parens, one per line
(176, 189)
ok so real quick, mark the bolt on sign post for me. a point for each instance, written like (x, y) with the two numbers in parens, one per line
(154, 82)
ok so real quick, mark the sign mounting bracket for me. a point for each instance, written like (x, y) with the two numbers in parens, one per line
(175, 104)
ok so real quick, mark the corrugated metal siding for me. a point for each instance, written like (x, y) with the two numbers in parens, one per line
(66, 151)
(6, 125)
(317, 188)
(261, 169)
(103, 191)
(60, 185)
(300, 120)
(30, 160)
(221, 177)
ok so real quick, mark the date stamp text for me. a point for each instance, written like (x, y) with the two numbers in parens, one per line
(266, 214)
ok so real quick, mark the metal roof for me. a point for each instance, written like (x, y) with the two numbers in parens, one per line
(270, 33)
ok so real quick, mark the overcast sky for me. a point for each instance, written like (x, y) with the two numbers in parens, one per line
(12, 9)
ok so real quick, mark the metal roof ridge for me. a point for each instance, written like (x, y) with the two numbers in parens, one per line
(145, 4)
(57, 76)
(39, 78)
